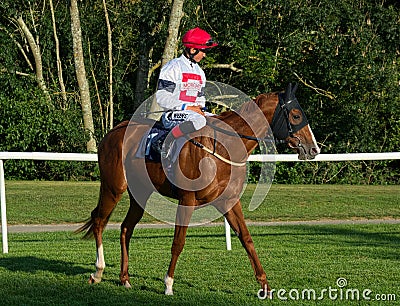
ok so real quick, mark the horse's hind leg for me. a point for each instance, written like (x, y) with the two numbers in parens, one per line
(135, 213)
(99, 218)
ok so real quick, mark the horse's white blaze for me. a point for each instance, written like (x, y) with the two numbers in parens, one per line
(314, 141)
(169, 281)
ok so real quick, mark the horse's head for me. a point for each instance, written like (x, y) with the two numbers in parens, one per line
(290, 124)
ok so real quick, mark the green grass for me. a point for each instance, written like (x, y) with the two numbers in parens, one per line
(38, 202)
(53, 268)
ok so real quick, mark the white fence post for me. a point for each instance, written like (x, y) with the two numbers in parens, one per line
(228, 235)
(3, 209)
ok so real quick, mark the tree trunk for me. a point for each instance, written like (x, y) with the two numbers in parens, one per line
(110, 65)
(81, 76)
(59, 66)
(170, 44)
(173, 31)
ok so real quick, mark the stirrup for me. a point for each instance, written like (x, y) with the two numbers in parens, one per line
(167, 148)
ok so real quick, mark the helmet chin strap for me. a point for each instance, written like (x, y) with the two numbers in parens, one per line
(191, 56)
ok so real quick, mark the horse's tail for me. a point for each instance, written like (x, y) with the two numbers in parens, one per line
(88, 227)
(89, 224)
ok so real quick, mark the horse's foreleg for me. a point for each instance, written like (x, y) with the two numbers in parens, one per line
(184, 213)
(236, 220)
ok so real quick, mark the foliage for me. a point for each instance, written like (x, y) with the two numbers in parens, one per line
(29, 123)
(345, 55)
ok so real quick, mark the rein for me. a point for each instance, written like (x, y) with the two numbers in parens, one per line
(212, 152)
(235, 134)
(229, 133)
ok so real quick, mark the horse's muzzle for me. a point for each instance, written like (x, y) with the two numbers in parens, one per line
(306, 151)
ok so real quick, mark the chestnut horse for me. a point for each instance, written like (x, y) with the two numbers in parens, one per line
(219, 174)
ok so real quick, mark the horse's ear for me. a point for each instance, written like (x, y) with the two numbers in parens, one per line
(288, 92)
(294, 89)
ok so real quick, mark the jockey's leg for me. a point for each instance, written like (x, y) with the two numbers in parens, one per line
(194, 122)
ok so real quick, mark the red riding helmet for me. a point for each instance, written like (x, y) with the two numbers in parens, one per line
(199, 39)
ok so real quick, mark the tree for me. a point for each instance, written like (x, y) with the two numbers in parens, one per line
(81, 76)
(344, 53)
(170, 44)
(36, 54)
(110, 66)
(59, 64)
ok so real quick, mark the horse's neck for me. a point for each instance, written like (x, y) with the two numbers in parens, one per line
(248, 123)
(254, 118)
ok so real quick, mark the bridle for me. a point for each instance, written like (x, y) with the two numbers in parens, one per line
(280, 131)
(281, 126)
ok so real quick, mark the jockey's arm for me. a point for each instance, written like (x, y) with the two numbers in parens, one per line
(169, 92)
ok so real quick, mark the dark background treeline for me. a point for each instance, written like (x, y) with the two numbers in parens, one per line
(344, 55)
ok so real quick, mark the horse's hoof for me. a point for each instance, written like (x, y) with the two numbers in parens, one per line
(168, 281)
(169, 292)
(93, 279)
(264, 293)
(127, 285)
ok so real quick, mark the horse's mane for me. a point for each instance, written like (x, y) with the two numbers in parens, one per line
(246, 107)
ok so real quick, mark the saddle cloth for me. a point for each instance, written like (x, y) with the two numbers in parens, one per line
(150, 146)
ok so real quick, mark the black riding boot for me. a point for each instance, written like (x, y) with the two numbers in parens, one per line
(183, 129)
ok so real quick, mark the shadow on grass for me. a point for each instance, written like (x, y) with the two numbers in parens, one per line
(384, 242)
(34, 290)
(31, 264)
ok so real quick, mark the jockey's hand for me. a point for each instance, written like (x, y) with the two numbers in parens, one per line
(196, 108)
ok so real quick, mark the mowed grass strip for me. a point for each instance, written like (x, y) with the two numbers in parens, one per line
(53, 268)
(43, 202)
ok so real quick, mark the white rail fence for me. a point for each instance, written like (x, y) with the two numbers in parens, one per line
(93, 158)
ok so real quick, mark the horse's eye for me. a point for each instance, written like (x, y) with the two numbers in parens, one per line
(296, 117)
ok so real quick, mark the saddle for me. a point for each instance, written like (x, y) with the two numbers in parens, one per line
(150, 146)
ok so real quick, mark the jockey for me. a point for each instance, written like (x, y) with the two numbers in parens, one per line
(181, 85)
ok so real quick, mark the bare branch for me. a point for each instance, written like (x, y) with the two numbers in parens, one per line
(58, 60)
(19, 47)
(110, 65)
(320, 91)
(226, 66)
(4, 70)
(151, 70)
(37, 56)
